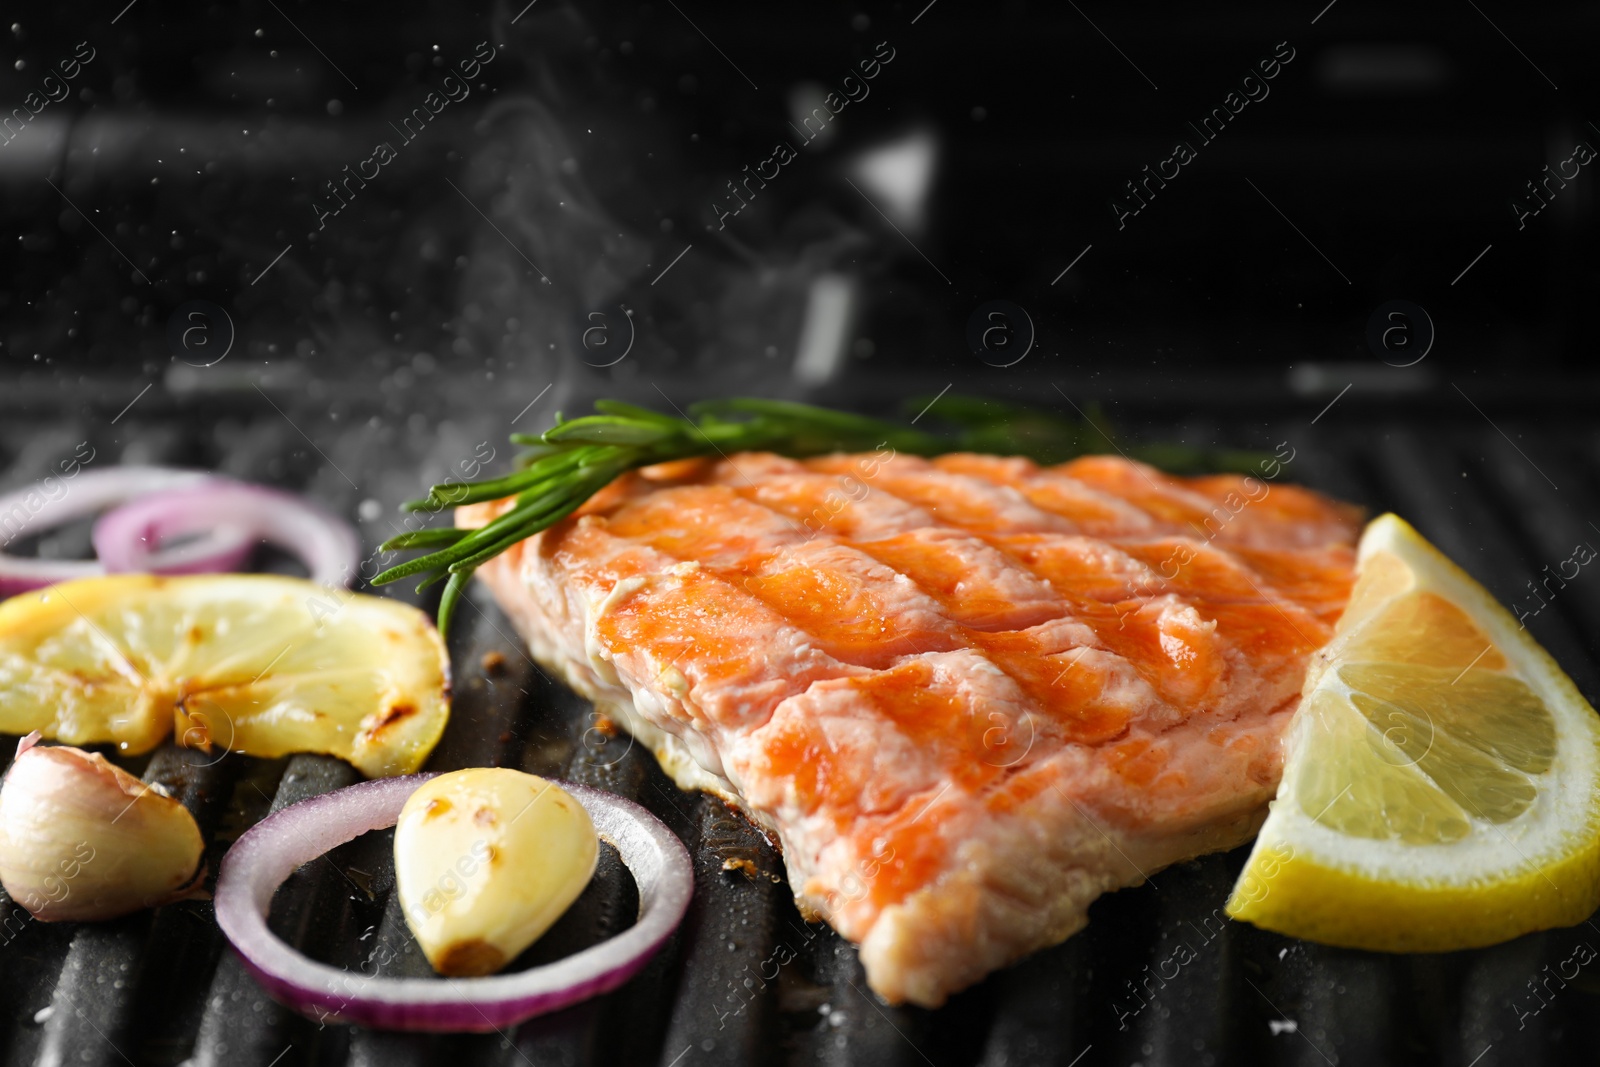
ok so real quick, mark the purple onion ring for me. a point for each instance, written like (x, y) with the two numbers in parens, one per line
(222, 546)
(264, 857)
(124, 539)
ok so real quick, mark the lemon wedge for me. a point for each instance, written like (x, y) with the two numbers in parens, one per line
(1441, 785)
(256, 664)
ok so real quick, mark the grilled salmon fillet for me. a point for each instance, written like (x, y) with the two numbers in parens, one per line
(968, 695)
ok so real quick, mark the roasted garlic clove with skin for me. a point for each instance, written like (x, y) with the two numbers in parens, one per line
(485, 861)
(82, 839)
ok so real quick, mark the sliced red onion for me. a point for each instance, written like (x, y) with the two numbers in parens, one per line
(330, 549)
(260, 861)
(221, 547)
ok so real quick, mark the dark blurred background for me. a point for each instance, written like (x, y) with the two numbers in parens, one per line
(565, 200)
(340, 249)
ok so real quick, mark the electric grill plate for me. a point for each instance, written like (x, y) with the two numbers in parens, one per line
(1158, 977)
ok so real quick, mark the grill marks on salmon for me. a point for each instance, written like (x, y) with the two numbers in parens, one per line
(967, 694)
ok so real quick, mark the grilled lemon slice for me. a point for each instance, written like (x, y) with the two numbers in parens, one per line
(1441, 786)
(256, 664)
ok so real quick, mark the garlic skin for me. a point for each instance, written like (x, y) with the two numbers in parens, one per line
(486, 859)
(82, 839)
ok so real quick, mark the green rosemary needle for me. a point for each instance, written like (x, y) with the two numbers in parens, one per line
(576, 458)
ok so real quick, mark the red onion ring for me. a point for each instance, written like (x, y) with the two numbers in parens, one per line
(328, 546)
(260, 861)
(223, 547)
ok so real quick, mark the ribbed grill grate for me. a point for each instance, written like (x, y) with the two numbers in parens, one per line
(746, 980)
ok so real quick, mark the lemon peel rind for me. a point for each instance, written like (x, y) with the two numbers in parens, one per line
(1333, 906)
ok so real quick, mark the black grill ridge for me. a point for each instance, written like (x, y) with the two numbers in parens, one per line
(163, 988)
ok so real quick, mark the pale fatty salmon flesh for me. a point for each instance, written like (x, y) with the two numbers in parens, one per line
(967, 695)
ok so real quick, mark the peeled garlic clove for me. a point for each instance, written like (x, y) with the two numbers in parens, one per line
(485, 861)
(82, 839)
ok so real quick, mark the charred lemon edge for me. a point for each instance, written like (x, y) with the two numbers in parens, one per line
(35, 609)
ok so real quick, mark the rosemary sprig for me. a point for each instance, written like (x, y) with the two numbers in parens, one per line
(576, 458)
